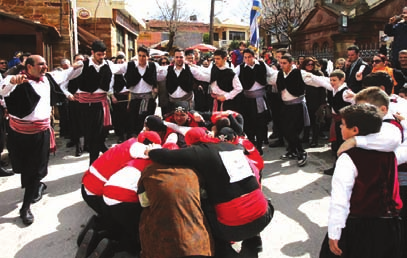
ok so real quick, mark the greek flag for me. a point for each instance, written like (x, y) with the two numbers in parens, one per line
(254, 23)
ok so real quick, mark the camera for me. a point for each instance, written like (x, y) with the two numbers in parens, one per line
(398, 18)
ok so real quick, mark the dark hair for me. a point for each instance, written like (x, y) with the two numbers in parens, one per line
(337, 73)
(307, 60)
(249, 51)
(29, 61)
(282, 51)
(160, 61)
(144, 50)
(379, 79)
(382, 57)
(242, 43)
(354, 48)
(25, 54)
(189, 52)
(221, 123)
(403, 90)
(374, 96)
(98, 46)
(364, 116)
(180, 50)
(220, 52)
(287, 57)
(226, 134)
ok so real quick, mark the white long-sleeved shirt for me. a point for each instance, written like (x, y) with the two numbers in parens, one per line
(343, 181)
(308, 78)
(256, 86)
(204, 74)
(42, 88)
(143, 86)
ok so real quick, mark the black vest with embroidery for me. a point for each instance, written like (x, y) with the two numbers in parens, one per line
(23, 99)
(119, 83)
(224, 78)
(248, 75)
(337, 102)
(185, 79)
(90, 80)
(133, 76)
(293, 83)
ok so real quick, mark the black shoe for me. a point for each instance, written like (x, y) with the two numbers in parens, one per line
(40, 192)
(90, 242)
(27, 217)
(278, 143)
(103, 250)
(4, 172)
(313, 144)
(3, 163)
(273, 136)
(329, 171)
(89, 225)
(302, 159)
(70, 144)
(120, 140)
(288, 155)
(78, 151)
(254, 244)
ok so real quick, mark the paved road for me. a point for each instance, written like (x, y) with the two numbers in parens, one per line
(300, 197)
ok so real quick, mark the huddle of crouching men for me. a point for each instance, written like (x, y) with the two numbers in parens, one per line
(195, 200)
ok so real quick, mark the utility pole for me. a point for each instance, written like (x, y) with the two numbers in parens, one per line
(211, 22)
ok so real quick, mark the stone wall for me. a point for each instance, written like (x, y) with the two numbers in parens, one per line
(52, 12)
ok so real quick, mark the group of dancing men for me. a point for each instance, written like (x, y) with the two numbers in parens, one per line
(189, 185)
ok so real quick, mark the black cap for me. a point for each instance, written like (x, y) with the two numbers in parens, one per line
(226, 134)
(155, 123)
(182, 106)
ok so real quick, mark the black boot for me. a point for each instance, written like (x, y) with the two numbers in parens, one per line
(4, 172)
(26, 216)
(78, 150)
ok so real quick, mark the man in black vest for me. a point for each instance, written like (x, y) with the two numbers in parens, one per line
(94, 83)
(180, 81)
(29, 97)
(253, 76)
(357, 65)
(291, 85)
(69, 89)
(225, 86)
(141, 78)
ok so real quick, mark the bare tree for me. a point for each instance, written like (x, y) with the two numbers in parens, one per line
(173, 14)
(281, 17)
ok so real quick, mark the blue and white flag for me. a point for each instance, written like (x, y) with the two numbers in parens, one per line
(254, 23)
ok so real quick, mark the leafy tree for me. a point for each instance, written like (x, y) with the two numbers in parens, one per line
(205, 38)
(282, 17)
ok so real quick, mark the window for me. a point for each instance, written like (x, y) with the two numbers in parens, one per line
(224, 35)
(325, 47)
(130, 45)
(120, 38)
(315, 48)
(215, 36)
(236, 35)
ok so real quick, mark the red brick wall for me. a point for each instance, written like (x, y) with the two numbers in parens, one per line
(51, 12)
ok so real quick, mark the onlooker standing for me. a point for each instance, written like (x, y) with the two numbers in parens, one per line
(356, 65)
(16, 69)
(237, 54)
(340, 64)
(397, 27)
(315, 97)
(3, 66)
(16, 59)
(403, 61)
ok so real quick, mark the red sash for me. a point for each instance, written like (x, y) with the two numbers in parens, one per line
(86, 97)
(33, 127)
(242, 210)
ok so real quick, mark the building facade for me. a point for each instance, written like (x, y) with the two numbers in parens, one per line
(333, 25)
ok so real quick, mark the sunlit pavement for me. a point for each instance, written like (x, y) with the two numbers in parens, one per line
(299, 195)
